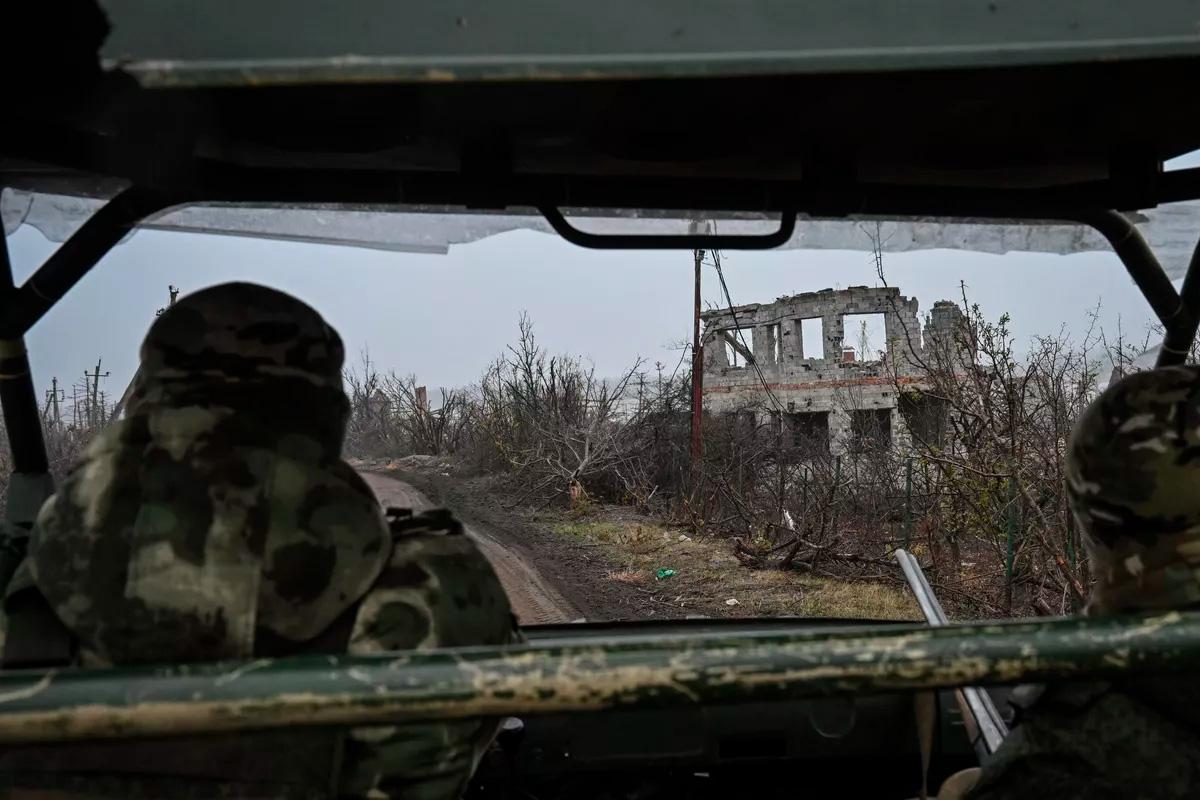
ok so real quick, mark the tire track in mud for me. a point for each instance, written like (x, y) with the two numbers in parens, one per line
(533, 599)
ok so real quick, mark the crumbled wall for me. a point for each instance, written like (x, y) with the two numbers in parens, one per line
(827, 384)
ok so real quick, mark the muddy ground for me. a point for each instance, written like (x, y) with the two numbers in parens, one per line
(534, 598)
(604, 562)
(576, 571)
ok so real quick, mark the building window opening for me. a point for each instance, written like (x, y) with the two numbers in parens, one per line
(809, 431)
(775, 343)
(812, 337)
(739, 346)
(867, 334)
(870, 429)
(925, 418)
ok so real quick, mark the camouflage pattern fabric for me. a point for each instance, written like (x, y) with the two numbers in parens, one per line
(218, 520)
(1099, 741)
(1133, 475)
(437, 591)
(220, 503)
(1133, 481)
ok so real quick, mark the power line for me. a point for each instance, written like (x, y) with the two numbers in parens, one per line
(738, 331)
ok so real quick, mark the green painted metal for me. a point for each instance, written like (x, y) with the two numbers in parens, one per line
(586, 675)
(254, 42)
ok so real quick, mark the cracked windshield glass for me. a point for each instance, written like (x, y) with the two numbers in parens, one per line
(650, 435)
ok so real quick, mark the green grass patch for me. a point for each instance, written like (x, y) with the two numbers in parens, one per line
(588, 529)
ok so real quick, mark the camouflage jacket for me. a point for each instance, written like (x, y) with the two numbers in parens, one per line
(220, 505)
(170, 543)
(436, 590)
(219, 521)
(1100, 741)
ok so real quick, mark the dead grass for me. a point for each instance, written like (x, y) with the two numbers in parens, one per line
(707, 576)
(635, 577)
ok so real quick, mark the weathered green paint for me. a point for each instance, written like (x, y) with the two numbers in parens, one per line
(591, 674)
(192, 43)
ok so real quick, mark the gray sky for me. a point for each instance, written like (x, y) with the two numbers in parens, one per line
(443, 317)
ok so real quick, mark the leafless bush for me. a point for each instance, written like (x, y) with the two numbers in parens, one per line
(369, 432)
(68, 426)
(391, 415)
(430, 430)
(973, 480)
(653, 467)
(993, 508)
(787, 501)
(552, 422)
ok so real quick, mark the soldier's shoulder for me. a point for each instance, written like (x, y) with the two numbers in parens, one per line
(438, 589)
(1066, 696)
(325, 548)
(436, 538)
(1090, 739)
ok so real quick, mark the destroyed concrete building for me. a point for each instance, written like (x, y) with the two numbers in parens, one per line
(831, 368)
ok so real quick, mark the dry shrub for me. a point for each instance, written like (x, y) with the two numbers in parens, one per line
(974, 484)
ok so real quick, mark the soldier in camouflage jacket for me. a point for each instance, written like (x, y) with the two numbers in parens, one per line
(1133, 480)
(218, 520)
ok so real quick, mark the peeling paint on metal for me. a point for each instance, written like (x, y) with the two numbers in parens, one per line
(585, 675)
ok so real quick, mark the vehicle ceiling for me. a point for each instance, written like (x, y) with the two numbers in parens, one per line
(990, 126)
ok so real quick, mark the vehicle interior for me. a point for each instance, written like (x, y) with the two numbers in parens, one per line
(190, 116)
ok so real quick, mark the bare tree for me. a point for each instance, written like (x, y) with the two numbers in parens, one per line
(428, 431)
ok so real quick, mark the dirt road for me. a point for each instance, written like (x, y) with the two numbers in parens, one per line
(533, 599)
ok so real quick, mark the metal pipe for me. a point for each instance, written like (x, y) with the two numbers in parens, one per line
(990, 725)
(20, 309)
(1139, 261)
(590, 674)
(929, 605)
(22, 416)
(1181, 331)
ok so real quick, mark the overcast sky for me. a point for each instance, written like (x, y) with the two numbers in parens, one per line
(444, 317)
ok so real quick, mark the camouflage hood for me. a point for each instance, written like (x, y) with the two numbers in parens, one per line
(251, 348)
(218, 511)
(1133, 481)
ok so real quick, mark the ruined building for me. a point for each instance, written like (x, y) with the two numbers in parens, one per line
(817, 384)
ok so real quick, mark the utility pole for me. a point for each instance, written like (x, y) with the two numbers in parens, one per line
(55, 394)
(697, 370)
(94, 413)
